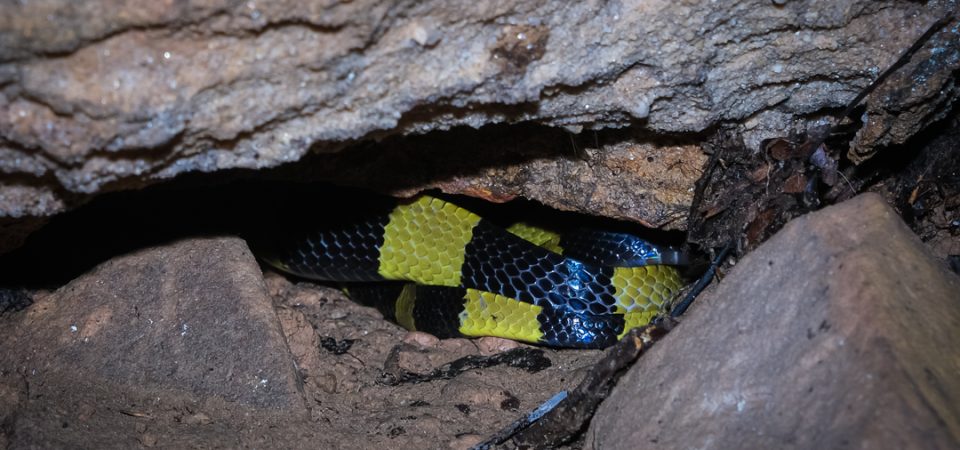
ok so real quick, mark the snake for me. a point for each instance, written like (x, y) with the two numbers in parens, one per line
(434, 266)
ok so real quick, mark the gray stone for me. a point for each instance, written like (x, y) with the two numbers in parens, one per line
(107, 94)
(841, 331)
(192, 318)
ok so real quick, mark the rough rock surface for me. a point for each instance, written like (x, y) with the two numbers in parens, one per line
(109, 94)
(191, 307)
(911, 99)
(638, 182)
(839, 332)
(185, 345)
(187, 326)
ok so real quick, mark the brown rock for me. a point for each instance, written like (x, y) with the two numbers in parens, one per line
(186, 327)
(421, 339)
(489, 345)
(839, 332)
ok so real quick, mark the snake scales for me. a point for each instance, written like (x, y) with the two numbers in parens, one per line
(443, 269)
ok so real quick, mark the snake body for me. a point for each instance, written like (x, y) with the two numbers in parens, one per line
(443, 269)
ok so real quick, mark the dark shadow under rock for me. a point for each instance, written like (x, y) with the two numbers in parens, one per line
(840, 331)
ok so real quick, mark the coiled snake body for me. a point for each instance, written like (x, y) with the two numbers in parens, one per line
(442, 269)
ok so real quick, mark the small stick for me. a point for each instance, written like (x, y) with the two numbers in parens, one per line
(521, 423)
(565, 414)
(702, 283)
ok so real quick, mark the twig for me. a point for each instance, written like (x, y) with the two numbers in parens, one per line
(702, 283)
(522, 422)
(561, 423)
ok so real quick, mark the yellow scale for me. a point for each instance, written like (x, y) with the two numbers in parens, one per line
(424, 242)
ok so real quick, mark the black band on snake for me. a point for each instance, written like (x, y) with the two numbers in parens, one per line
(433, 266)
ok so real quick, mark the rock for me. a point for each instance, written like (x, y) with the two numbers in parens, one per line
(912, 98)
(247, 370)
(493, 345)
(187, 327)
(421, 339)
(839, 332)
(107, 95)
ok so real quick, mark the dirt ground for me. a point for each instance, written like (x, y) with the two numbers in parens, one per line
(190, 345)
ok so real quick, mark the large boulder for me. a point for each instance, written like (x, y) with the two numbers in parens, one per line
(185, 330)
(108, 94)
(839, 332)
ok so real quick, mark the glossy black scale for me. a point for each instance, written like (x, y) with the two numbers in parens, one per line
(563, 328)
(348, 253)
(437, 310)
(382, 296)
(500, 262)
(605, 248)
(339, 250)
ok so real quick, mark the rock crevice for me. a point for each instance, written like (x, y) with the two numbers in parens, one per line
(109, 95)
